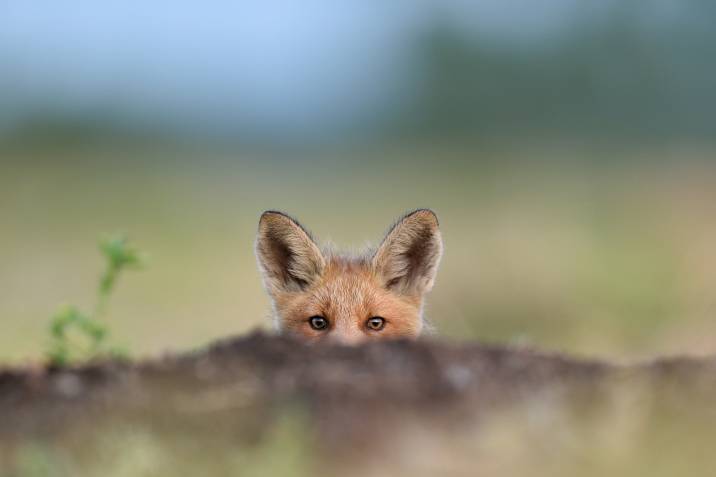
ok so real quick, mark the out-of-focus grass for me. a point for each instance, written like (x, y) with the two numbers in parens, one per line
(284, 450)
(628, 435)
(541, 438)
(609, 255)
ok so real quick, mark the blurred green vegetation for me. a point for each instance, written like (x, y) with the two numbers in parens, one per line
(573, 175)
(282, 450)
(621, 73)
(78, 336)
(595, 252)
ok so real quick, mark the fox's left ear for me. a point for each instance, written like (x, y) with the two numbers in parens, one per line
(407, 260)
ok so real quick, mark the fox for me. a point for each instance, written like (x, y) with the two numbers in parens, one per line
(320, 295)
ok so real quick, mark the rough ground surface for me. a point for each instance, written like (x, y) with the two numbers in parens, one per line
(349, 402)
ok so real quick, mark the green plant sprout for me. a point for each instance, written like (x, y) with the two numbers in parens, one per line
(75, 335)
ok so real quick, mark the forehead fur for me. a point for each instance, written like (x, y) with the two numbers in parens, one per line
(347, 282)
(347, 286)
(349, 291)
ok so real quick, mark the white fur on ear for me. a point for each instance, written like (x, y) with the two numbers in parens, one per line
(408, 259)
(288, 257)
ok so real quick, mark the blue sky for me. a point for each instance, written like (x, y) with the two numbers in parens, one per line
(299, 65)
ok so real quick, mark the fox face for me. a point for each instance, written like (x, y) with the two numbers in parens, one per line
(322, 295)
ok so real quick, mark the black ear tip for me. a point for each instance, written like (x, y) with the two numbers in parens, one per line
(272, 213)
(273, 216)
(424, 215)
(271, 219)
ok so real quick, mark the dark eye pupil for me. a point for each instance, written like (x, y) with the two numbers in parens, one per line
(318, 322)
(376, 323)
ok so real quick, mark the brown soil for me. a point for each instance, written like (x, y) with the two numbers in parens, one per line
(350, 398)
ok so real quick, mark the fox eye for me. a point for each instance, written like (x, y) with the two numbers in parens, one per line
(376, 323)
(318, 322)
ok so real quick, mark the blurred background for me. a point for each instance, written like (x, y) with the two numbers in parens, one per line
(567, 146)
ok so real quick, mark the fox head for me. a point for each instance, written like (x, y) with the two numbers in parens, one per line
(321, 295)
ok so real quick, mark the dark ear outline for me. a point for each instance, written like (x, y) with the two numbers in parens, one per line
(408, 258)
(287, 255)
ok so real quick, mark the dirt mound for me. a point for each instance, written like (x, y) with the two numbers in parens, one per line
(346, 400)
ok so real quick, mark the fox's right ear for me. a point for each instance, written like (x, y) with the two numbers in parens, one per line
(288, 257)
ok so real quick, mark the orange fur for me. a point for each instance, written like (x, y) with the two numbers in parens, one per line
(389, 283)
